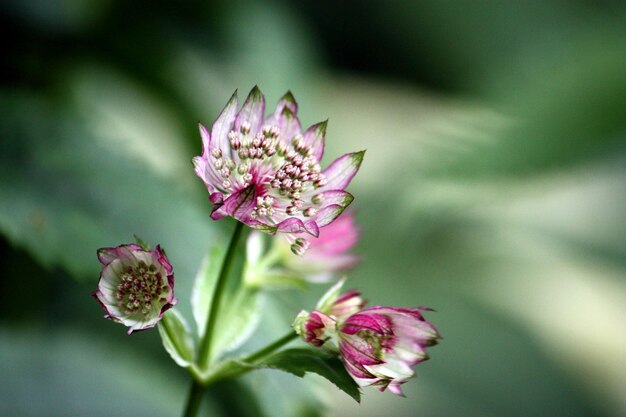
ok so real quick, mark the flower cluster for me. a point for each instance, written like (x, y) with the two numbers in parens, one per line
(377, 345)
(266, 172)
(136, 285)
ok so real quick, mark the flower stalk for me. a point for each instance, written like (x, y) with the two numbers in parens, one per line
(271, 348)
(194, 399)
(204, 352)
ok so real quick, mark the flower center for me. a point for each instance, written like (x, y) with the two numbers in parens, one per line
(379, 343)
(140, 288)
(285, 170)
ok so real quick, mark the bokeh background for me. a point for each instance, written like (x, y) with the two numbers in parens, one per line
(492, 190)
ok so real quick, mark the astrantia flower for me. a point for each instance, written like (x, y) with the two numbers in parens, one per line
(378, 345)
(136, 285)
(266, 172)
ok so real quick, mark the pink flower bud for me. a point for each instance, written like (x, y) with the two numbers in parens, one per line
(378, 345)
(318, 328)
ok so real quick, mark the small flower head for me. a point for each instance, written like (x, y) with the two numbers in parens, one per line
(314, 327)
(266, 172)
(136, 285)
(378, 345)
(320, 325)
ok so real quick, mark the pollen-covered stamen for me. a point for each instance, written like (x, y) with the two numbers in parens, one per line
(300, 246)
(270, 131)
(225, 172)
(235, 140)
(300, 146)
(264, 207)
(299, 172)
(140, 288)
(245, 127)
(318, 199)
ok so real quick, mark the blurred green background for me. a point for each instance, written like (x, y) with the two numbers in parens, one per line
(493, 190)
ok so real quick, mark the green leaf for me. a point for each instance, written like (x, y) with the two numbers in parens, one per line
(176, 338)
(240, 311)
(301, 361)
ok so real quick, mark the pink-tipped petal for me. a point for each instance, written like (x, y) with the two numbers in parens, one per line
(341, 171)
(289, 125)
(291, 225)
(312, 228)
(328, 214)
(396, 389)
(223, 125)
(314, 138)
(206, 137)
(252, 111)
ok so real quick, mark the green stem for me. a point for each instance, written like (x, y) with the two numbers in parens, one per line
(204, 352)
(194, 400)
(271, 348)
(232, 368)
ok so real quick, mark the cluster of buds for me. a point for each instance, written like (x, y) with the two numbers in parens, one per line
(377, 345)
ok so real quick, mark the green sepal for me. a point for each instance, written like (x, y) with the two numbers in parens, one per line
(328, 299)
(142, 243)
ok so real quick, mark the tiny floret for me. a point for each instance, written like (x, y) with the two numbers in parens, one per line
(136, 285)
(247, 156)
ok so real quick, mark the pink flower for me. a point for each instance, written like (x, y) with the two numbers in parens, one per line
(317, 328)
(378, 345)
(136, 285)
(320, 325)
(330, 252)
(266, 172)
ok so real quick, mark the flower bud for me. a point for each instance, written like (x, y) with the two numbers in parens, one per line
(378, 345)
(315, 327)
